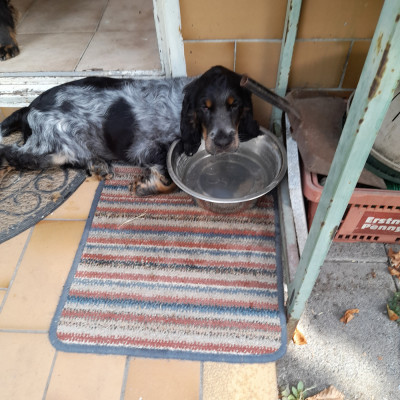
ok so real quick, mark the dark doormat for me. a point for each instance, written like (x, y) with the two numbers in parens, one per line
(26, 197)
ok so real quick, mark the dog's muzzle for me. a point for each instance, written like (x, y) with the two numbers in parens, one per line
(221, 141)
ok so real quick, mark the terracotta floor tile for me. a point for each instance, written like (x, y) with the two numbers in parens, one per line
(78, 205)
(26, 363)
(127, 15)
(42, 52)
(35, 292)
(10, 252)
(122, 51)
(22, 6)
(239, 381)
(49, 16)
(7, 111)
(150, 379)
(86, 376)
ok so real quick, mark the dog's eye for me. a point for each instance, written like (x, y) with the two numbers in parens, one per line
(232, 103)
(207, 105)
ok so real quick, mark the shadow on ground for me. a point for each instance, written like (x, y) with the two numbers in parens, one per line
(361, 358)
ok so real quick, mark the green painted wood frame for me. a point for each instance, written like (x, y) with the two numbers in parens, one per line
(372, 97)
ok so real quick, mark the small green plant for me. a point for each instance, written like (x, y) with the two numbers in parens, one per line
(296, 393)
(394, 306)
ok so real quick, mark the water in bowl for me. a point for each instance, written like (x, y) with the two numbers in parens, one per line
(227, 175)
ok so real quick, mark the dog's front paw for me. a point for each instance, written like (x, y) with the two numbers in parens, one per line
(141, 186)
(101, 168)
(8, 51)
(151, 183)
(190, 148)
(140, 189)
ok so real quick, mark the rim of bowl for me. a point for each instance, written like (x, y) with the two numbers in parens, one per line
(279, 176)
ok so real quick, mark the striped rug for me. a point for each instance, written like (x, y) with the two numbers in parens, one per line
(160, 277)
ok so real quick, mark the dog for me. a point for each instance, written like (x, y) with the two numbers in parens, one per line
(8, 20)
(90, 123)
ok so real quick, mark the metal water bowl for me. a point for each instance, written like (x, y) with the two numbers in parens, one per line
(229, 182)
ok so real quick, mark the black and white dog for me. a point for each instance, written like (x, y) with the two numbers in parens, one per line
(91, 122)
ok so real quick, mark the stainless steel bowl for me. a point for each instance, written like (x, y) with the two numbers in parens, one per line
(229, 182)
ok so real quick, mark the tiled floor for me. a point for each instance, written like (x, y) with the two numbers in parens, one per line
(84, 35)
(33, 268)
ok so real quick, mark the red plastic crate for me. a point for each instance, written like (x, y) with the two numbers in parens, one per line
(373, 215)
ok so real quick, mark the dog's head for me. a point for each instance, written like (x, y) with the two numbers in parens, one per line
(216, 108)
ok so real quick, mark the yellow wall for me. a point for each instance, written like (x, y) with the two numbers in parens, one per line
(245, 35)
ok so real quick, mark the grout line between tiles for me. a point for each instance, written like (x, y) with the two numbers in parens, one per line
(333, 39)
(50, 376)
(91, 39)
(26, 13)
(275, 40)
(23, 331)
(232, 40)
(125, 377)
(234, 56)
(102, 15)
(201, 380)
(310, 89)
(83, 53)
(16, 269)
(346, 64)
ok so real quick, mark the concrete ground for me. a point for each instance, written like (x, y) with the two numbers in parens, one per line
(360, 358)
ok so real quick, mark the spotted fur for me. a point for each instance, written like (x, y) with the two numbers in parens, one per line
(91, 122)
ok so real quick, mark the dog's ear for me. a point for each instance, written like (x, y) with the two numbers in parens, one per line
(248, 127)
(190, 125)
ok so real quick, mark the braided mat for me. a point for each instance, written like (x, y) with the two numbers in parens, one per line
(160, 277)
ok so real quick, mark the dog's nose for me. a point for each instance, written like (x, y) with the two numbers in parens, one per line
(223, 139)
